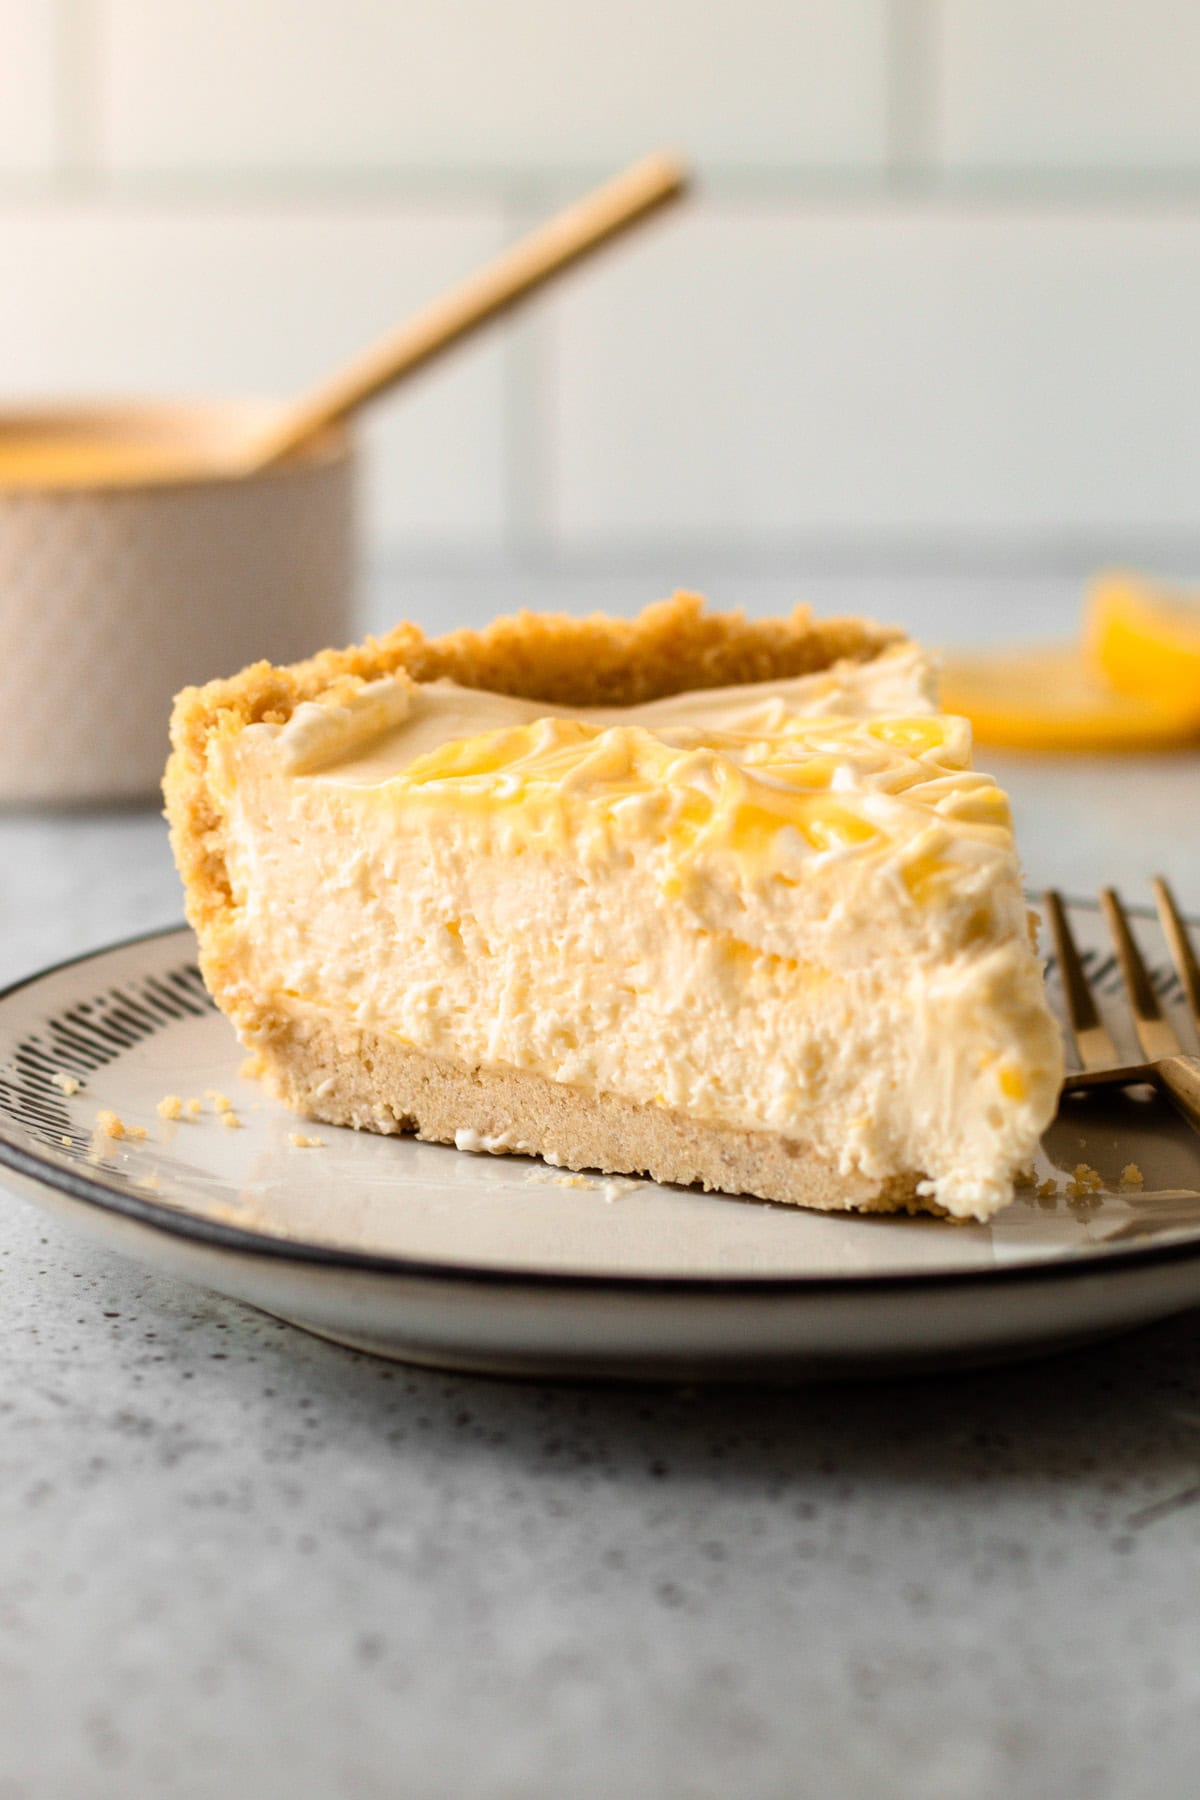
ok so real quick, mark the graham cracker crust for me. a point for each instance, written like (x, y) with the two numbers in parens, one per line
(344, 1075)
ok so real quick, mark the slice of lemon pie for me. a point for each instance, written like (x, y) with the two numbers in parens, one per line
(692, 896)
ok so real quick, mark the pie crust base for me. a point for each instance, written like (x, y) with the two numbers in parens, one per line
(343, 1075)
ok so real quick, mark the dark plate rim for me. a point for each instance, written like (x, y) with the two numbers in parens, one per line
(161, 1218)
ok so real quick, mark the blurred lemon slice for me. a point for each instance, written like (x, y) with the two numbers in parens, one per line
(1052, 698)
(1144, 641)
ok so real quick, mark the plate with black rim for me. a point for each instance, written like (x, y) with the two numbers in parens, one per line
(502, 1264)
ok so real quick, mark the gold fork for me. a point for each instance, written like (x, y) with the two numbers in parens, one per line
(1174, 1071)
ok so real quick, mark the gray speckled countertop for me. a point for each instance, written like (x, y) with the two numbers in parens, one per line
(235, 1560)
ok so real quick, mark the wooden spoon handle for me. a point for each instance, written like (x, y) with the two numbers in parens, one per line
(516, 272)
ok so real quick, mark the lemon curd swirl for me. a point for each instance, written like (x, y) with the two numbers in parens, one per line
(795, 910)
(765, 799)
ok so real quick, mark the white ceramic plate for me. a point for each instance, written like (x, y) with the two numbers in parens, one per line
(500, 1263)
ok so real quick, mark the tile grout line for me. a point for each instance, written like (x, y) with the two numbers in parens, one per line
(915, 184)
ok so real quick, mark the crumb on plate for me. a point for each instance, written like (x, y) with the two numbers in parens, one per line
(111, 1125)
(303, 1142)
(170, 1106)
(66, 1084)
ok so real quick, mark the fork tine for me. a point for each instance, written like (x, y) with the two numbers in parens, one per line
(1179, 944)
(1093, 1045)
(1155, 1032)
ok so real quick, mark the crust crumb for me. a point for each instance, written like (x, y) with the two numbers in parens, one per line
(1085, 1182)
(111, 1125)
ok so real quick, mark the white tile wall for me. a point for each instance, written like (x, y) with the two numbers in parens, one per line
(924, 372)
(1101, 84)
(874, 330)
(464, 83)
(28, 46)
(141, 300)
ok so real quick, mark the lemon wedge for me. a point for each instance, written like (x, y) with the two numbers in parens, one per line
(1052, 697)
(1143, 640)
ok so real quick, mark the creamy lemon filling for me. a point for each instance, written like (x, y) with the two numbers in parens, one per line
(794, 908)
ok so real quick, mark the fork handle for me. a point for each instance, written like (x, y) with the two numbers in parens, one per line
(1179, 1077)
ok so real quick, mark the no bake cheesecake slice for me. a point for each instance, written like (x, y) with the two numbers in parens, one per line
(704, 898)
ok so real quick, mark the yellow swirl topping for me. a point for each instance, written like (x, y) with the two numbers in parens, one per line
(813, 786)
